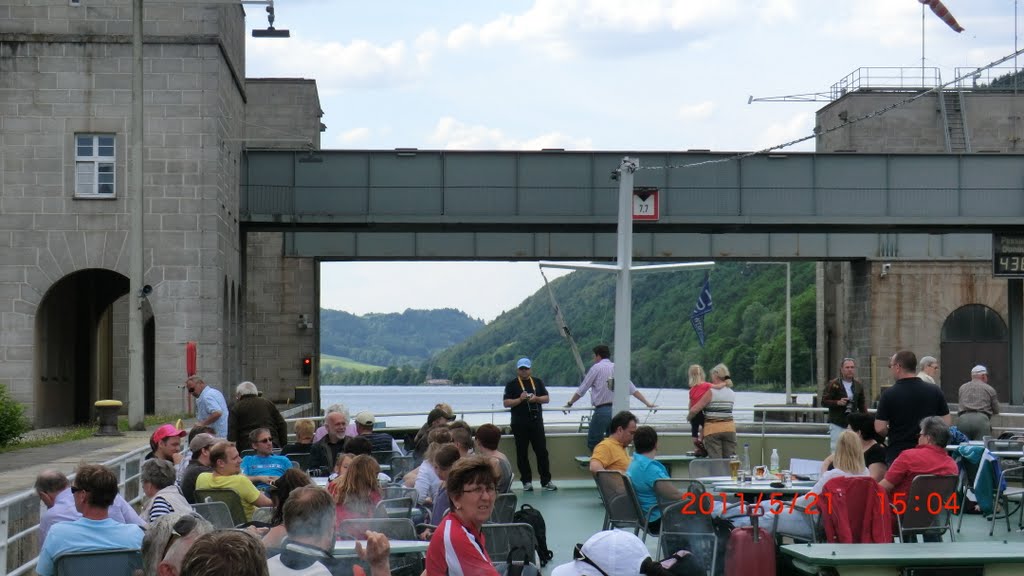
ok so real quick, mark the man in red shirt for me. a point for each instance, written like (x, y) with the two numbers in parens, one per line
(928, 457)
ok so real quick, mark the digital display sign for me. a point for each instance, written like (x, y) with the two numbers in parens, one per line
(1008, 255)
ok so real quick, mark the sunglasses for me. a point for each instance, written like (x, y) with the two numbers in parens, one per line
(263, 440)
(182, 528)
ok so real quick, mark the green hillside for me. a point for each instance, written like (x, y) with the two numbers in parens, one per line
(746, 330)
(329, 362)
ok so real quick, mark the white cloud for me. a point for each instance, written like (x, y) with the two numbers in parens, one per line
(355, 135)
(335, 65)
(698, 111)
(888, 23)
(796, 126)
(452, 134)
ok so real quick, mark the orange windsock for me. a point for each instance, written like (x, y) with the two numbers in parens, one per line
(941, 11)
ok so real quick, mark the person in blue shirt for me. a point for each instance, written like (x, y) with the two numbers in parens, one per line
(643, 471)
(211, 408)
(94, 491)
(264, 467)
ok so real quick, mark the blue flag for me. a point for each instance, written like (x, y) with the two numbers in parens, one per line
(703, 307)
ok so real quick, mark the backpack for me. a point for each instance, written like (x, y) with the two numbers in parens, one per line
(529, 515)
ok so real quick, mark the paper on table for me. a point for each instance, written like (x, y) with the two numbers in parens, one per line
(804, 467)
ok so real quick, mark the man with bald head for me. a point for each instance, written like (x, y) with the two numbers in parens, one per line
(903, 406)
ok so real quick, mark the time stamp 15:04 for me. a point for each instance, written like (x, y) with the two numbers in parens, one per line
(704, 503)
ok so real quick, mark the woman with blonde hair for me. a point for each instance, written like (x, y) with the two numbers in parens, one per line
(359, 491)
(716, 403)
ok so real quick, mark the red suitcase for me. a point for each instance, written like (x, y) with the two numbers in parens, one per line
(751, 550)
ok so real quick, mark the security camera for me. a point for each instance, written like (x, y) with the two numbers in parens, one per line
(146, 290)
(885, 270)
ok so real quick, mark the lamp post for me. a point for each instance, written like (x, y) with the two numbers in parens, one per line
(789, 330)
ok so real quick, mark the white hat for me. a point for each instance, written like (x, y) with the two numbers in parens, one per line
(979, 369)
(618, 553)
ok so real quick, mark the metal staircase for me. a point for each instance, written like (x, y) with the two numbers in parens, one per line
(954, 121)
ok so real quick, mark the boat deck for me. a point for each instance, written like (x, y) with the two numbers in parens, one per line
(574, 512)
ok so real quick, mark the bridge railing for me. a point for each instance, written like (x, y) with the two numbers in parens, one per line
(20, 513)
(990, 79)
(885, 79)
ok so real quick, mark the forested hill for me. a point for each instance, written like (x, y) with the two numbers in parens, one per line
(746, 330)
(409, 338)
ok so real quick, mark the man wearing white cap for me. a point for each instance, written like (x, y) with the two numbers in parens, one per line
(610, 553)
(978, 403)
(524, 396)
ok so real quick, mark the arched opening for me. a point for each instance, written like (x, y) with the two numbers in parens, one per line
(81, 347)
(974, 334)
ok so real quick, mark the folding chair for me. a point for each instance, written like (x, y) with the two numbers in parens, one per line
(918, 519)
(510, 542)
(264, 514)
(968, 460)
(106, 562)
(383, 457)
(669, 491)
(856, 513)
(216, 513)
(693, 532)
(620, 503)
(394, 508)
(504, 509)
(705, 467)
(388, 492)
(229, 497)
(400, 466)
(394, 529)
(1013, 492)
(299, 458)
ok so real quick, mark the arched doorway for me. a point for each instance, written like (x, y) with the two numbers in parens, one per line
(974, 334)
(81, 346)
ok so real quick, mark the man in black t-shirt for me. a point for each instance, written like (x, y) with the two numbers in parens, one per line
(524, 395)
(902, 407)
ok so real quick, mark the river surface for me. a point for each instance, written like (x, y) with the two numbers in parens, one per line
(382, 400)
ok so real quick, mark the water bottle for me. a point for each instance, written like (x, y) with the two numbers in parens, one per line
(745, 463)
(774, 462)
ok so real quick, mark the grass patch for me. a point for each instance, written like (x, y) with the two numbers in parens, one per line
(341, 363)
(86, 431)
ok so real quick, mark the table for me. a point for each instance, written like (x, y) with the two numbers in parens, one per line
(761, 487)
(320, 481)
(667, 459)
(997, 558)
(347, 548)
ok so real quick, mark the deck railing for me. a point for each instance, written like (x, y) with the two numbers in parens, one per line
(19, 514)
(887, 79)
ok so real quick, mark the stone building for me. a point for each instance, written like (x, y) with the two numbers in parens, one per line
(65, 107)
(950, 307)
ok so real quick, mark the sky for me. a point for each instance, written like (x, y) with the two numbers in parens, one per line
(585, 75)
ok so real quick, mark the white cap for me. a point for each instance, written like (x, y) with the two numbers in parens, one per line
(618, 553)
(979, 369)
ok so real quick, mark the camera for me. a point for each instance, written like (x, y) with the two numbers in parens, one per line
(529, 394)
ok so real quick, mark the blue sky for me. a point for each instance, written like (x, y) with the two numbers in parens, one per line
(588, 75)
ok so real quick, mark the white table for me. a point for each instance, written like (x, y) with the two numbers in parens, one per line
(347, 548)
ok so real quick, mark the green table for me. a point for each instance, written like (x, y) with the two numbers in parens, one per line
(997, 558)
(667, 459)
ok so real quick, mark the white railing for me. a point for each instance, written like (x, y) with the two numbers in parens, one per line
(26, 518)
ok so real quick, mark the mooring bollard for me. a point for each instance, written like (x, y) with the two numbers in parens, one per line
(108, 410)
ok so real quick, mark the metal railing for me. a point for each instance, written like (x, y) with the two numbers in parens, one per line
(887, 79)
(990, 79)
(20, 512)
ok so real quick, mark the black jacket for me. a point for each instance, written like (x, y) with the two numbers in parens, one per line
(834, 392)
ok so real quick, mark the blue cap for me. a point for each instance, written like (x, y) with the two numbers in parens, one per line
(523, 363)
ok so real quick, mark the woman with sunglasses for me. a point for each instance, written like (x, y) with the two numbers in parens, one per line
(457, 546)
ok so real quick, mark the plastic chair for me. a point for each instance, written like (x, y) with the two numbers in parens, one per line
(302, 459)
(229, 497)
(693, 532)
(384, 457)
(504, 509)
(394, 529)
(106, 562)
(216, 513)
(394, 508)
(400, 466)
(510, 542)
(620, 503)
(705, 467)
(264, 514)
(920, 521)
(388, 492)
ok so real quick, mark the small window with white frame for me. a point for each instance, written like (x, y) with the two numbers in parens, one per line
(94, 165)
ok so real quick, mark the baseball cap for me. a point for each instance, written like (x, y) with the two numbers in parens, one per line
(524, 363)
(166, 431)
(202, 440)
(979, 369)
(364, 418)
(616, 552)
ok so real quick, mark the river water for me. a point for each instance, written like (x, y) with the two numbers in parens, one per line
(391, 399)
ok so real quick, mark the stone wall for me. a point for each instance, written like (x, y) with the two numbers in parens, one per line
(282, 113)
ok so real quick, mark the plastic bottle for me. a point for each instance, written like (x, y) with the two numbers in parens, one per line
(774, 462)
(745, 463)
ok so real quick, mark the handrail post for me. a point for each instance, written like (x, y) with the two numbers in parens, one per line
(4, 534)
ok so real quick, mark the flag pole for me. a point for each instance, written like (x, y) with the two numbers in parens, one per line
(922, 47)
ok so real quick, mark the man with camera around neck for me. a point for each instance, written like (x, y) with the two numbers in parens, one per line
(524, 395)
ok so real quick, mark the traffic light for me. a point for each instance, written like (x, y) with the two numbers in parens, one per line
(307, 365)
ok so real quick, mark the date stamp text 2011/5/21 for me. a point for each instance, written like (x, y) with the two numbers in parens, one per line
(704, 503)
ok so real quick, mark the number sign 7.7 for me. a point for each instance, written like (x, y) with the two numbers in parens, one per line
(645, 204)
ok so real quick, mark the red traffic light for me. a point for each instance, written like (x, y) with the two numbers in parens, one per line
(307, 365)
